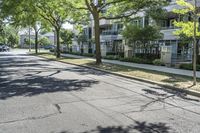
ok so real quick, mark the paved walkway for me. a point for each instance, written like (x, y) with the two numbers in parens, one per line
(143, 66)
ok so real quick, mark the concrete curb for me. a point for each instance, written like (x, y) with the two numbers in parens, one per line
(164, 86)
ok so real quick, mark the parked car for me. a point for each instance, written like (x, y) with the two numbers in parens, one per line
(49, 47)
(4, 48)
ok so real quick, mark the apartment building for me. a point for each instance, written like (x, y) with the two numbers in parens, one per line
(113, 41)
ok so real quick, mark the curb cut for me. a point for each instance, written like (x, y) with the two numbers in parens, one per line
(164, 86)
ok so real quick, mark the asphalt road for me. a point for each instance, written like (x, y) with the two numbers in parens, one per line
(41, 96)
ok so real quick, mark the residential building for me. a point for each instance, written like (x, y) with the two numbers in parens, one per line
(113, 41)
(24, 37)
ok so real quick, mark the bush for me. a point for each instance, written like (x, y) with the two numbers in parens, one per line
(136, 60)
(88, 54)
(158, 62)
(77, 53)
(111, 57)
(148, 55)
(121, 54)
(189, 67)
(110, 53)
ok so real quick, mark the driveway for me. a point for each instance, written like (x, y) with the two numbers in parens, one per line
(42, 96)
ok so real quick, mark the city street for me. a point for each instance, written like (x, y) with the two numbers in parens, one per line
(43, 96)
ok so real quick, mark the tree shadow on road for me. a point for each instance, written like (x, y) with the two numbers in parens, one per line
(173, 93)
(35, 85)
(139, 127)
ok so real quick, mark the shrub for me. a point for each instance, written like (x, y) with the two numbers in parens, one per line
(110, 53)
(137, 60)
(121, 54)
(189, 67)
(148, 55)
(52, 50)
(158, 62)
(111, 57)
(88, 54)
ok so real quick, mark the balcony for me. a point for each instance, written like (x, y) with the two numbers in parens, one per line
(104, 22)
(168, 33)
(109, 35)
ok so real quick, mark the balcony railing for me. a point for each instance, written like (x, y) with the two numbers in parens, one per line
(111, 32)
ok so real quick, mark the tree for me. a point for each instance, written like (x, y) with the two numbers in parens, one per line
(28, 42)
(189, 28)
(56, 13)
(44, 41)
(12, 36)
(141, 36)
(66, 36)
(9, 35)
(22, 14)
(115, 9)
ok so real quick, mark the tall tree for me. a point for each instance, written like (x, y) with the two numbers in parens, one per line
(115, 9)
(56, 13)
(22, 14)
(189, 28)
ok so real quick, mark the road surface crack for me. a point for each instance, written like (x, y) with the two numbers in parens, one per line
(58, 108)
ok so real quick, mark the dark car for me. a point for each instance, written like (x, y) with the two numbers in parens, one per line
(4, 48)
(49, 47)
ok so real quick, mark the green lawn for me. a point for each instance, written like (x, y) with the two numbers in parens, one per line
(165, 78)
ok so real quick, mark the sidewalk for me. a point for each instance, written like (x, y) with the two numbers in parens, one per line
(143, 66)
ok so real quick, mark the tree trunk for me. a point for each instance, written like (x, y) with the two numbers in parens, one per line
(198, 59)
(97, 38)
(57, 42)
(36, 41)
(29, 38)
(195, 46)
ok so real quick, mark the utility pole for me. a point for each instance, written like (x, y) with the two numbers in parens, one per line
(195, 44)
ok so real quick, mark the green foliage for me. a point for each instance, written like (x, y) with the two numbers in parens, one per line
(44, 41)
(9, 35)
(66, 36)
(132, 59)
(158, 62)
(128, 8)
(82, 38)
(184, 40)
(187, 27)
(157, 13)
(136, 34)
(136, 60)
(81, 54)
(26, 41)
(189, 67)
(111, 57)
